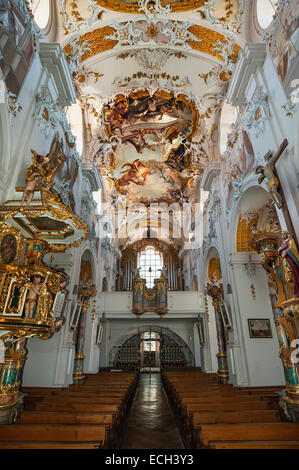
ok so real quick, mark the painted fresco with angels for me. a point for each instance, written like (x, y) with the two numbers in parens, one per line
(150, 161)
(283, 41)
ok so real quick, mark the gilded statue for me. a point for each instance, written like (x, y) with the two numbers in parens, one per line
(41, 172)
(290, 261)
(45, 301)
(35, 289)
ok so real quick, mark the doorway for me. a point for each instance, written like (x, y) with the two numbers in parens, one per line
(150, 350)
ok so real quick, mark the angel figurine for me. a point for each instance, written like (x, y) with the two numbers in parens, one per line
(33, 182)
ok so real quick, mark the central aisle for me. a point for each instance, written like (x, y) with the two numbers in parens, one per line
(151, 423)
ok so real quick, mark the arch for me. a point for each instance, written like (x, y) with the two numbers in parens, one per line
(75, 119)
(246, 216)
(244, 232)
(99, 42)
(214, 270)
(105, 285)
(87, 267)
(189, 357)
(213, 266)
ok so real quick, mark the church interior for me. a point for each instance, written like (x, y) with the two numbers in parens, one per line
(149, 265)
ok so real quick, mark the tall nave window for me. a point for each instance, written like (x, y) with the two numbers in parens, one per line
(41, 12)
(150, 261)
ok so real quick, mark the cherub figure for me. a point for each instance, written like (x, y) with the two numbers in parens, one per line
(33, 182)
(34, 291)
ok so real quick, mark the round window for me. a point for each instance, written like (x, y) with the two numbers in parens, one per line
(265, 10)
(41, 12)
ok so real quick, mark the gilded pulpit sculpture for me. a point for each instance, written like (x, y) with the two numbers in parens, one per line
(32, 294)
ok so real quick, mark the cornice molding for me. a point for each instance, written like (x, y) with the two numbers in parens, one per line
(212, 170)
(54, 60)
(251, 58)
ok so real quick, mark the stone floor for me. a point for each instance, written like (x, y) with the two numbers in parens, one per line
(151, 423)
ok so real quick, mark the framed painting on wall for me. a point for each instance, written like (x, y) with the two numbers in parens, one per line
(75, 315)
(201, 332)
(58, 304)
(99, 333)
(225, 315)
(259, 328)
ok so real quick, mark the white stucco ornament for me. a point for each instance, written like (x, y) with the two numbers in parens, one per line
(258, 112)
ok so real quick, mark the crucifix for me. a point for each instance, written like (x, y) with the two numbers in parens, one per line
(270, 173)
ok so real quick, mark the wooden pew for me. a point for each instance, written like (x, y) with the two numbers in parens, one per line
(102, 401)
(219, 406)
(222, 398)
(54, 433)
(71, 399)
(209, 433)
(226, 417)
(222, 417)
(254, 445)
(49, 445)
(61, 417)
(110, 420)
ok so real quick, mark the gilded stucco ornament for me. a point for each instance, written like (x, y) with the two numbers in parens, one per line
(157, 32)
(291, 106)
(152, 59)
(76, 49)
(153, 82)
(232, 20)
(73, 21)
(13, 106)
(153, 8)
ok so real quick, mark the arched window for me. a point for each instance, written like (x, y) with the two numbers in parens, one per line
(74, 115)
(265, 10)
(228, 117)
(150, 261)
(41, 12)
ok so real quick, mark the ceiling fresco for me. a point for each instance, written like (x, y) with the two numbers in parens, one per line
(151, 79)
(150, 163)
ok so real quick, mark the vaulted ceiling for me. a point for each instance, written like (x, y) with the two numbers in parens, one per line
(151, 77)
